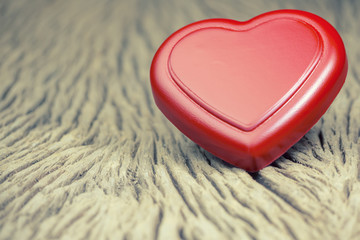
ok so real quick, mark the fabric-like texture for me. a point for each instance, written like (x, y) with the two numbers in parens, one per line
(86, 154)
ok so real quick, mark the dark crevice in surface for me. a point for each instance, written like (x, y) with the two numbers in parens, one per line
(289, 230)
(69, 106)
(181, 233)
(289, 157)
(64, 132)
(300, 161)
(13, 130)
(137, 190)
(203, 153)
(155, 156)
(119, 118)
(348, 117)
(90, 140)
(135, 149)
(31, 127)
(254, 175)
(16, 79)
(20, 137)
(76, 79)
(233, 194)
(215, 186)
(37, 105)
(8, 175)
(50, 76)
(180, 191)
(330, 148)
(287, 175)
(207, 160)
(316, 155)
(343, 157)
(203, 209)
(124, 94)
(158, 224)
(235, 215)
(265, 215)
(275, 164)
(149, 102)
(11, 120)
(120, 56)
(333, 130)
(81, 174)
(272, 188)
(9, 103)
(6, 202)
(342, 150)
(187, 162)
(321, 139)
(82, 104)
(24, 166)
(30, 196)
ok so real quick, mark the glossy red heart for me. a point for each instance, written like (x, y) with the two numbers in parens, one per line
(247, 91)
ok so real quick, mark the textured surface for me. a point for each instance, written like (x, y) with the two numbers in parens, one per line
(85, 154)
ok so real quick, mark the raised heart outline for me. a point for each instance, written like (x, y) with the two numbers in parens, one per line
(221, 115)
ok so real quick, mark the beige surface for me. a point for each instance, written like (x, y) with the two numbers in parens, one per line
(85, 153)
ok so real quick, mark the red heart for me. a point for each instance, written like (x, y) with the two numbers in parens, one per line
(247, 91)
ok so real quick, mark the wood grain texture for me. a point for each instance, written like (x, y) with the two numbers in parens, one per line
(85, 153)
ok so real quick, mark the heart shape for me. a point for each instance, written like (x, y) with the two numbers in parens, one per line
(247, 91)
(230, 74)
